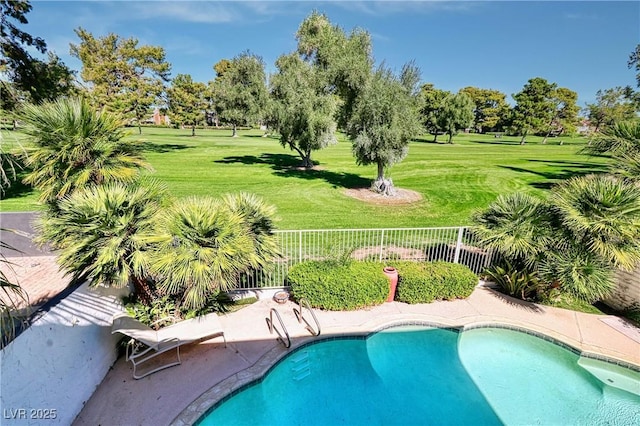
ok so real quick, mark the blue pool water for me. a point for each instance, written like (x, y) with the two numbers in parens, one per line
(431, 376)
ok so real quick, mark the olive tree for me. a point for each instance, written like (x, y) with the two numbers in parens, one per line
(383, 122)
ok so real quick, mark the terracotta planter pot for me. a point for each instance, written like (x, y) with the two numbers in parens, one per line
(392, 274)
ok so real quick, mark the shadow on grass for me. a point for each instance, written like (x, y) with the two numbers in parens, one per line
(565, 170)
(495, 142)
(162, 147)
(290, 166)
(17, 189)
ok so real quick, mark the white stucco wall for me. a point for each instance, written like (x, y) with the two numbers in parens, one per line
(627, 292)
(49, 371)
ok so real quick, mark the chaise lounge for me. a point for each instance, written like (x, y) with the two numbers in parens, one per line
(147, 343)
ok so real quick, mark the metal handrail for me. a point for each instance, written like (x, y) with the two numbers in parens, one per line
(300, 317)
(286, 344)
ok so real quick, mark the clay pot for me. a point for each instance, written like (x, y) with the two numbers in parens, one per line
(392, 274)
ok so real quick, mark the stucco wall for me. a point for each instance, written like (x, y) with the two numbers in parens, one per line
(50, 370)
(627, 292)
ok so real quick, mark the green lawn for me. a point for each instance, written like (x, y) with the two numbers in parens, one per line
(453, 179)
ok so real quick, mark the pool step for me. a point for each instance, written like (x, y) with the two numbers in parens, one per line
(301, 367)
(612, 375)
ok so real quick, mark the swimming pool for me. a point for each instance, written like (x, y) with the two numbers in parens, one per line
(420, 375)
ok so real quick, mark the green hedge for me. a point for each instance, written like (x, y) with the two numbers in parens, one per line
(339, 286)
(421, 282)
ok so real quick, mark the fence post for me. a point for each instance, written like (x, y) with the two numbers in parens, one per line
(381, 244)
(456, 257)
(300, 246)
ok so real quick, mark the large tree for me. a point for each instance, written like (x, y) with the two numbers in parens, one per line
(564, 113)
(431, 103)
(534, 107)
(490, 108)
(302, 112)
(383, 121)
(611, 106)
(187, 101)
(344, 59)
(40, 80)
(456, 113)
(124, 77)
(73, 146)
(240, 93)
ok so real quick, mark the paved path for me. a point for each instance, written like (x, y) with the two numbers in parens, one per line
(18, 233)
(160, 397)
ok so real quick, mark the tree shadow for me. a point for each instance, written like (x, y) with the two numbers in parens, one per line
(18, 188)
(290, 166)
(566, 170)
(162, 148)
(498, 141)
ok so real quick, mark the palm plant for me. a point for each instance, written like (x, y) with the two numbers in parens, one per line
(622, 142)
(103, 233)
(517, 226)
(601, 214)
(259, 218)
(205, 246)
(74, 146)
(12, 298)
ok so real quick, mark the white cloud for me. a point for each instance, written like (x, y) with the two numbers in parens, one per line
(197, 12)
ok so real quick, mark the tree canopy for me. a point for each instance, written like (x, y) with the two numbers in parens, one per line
(490, 107)
(534, 108)
(611, 105)
(302, 112)
(124, 77)
(345, 60)
(456, 113)
(186, 99)
(240, 93)
(40, 80)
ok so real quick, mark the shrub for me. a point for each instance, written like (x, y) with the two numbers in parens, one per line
(516, 282)
(335, 286)
(421, 282)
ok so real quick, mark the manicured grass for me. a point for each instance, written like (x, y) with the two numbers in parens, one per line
(453, 179)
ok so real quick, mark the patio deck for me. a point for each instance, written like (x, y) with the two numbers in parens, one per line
(209, 370)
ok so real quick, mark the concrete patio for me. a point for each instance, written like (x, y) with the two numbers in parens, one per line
(209, 371)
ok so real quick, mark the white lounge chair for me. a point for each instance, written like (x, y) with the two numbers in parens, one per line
(147, 343)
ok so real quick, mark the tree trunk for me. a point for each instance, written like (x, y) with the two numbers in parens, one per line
(450, 138)
(193, 130)
(143, 290)
(235, 131)
(435, 137)
(139, 128)
(381, 185)
(524, 138)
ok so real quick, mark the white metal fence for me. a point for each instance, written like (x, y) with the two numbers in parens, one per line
(451, 244)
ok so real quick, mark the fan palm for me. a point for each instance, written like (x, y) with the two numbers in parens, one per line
(622, 142)
(517, 226)
(203, 249)
(602, 214)
(259, 218)
(581, 273)
(12, 298)
(207, 244)
(103, 233)
(74, 146)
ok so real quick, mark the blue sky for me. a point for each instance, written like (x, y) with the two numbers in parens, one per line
(582, 45)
